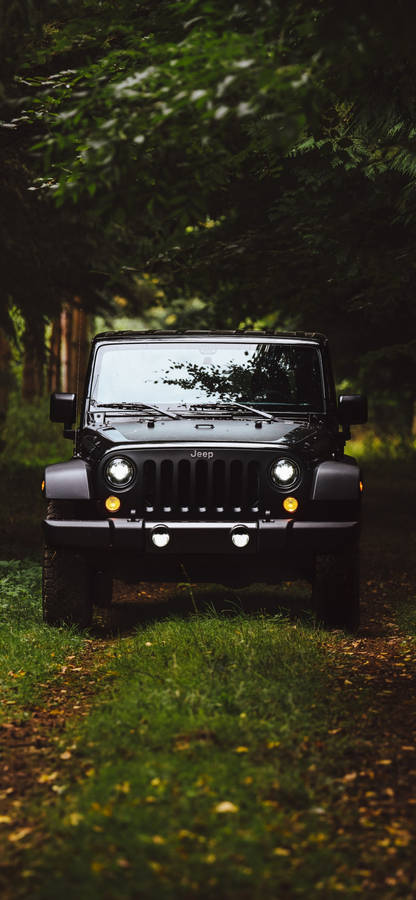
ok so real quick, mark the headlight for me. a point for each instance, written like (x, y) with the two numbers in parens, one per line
(119, 472)
(285, 473)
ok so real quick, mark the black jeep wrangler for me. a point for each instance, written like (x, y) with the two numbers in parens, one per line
(218, 454)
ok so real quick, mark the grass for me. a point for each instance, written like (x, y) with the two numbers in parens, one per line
(370, 446)
(30, 652)
(29, 443)
(212, 763)
(29, 438)
(406, 615)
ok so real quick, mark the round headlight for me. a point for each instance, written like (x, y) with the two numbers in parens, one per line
(119, 472)
(285, 473)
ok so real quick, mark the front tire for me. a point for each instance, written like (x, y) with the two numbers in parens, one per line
(67, 582)
(336, 589)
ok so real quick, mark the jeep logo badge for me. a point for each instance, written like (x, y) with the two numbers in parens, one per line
(201, 454)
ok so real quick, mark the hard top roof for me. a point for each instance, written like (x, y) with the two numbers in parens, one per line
(241, 333)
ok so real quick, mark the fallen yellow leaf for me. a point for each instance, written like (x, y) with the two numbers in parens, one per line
(156, 866)
(226, 807)
(20, 834)
(123, 788)
(74, 818)
(46, 777)
(97, 866)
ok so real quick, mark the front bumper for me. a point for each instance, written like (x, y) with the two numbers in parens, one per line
(266, 536)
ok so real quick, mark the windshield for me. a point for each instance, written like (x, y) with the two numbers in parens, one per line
(271, 376)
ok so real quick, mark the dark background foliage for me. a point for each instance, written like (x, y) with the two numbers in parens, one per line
(258, 157)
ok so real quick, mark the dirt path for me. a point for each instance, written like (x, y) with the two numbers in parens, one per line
(34, 762)
(380, 788)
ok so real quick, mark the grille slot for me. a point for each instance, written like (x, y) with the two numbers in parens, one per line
(200, 486)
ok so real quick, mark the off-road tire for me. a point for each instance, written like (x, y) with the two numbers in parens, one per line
(67, 580)
(336, 589)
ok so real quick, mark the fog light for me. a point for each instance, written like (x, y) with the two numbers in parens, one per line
(160, 536)
(240, 536)
(112, 504)
(290, 504)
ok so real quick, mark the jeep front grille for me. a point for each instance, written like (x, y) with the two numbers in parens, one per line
(200, 486)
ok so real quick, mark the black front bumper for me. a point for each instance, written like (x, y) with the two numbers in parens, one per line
(266, 536)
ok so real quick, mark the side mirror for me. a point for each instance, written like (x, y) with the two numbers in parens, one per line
(352, 409)
(63, 408)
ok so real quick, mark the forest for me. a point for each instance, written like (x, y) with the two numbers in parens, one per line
(199, 165)
(187, 165)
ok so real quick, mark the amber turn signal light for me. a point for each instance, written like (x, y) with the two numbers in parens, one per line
(290, 504)
(112, 504)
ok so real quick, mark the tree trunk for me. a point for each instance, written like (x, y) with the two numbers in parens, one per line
(79, 346)
(5, 378)
(66, 328)
(34, 359)
(69, 349)
(54, 368)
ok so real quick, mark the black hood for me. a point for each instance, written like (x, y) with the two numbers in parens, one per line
(287, 432)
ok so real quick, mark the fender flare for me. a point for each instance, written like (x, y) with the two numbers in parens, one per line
(337, 480)
(68, 481)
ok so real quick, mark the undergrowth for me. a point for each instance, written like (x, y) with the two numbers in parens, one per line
(29, 438)
(30, 652)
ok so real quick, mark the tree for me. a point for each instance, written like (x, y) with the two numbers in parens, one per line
(48, 255)
(260, 155)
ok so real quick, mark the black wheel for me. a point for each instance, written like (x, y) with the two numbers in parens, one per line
(336, 589)
(67, 580)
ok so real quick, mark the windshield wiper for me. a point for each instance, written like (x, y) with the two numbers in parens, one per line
(231, 403)
(143, 406)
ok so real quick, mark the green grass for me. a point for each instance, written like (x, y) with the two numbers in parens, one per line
(30, 652)
(208, 771)
(29, 443)
(30, 439)
(406, 615)
(368, 445)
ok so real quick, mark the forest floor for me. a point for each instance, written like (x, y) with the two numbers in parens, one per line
(238, 752)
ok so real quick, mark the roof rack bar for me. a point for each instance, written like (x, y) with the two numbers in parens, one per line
(302, 335)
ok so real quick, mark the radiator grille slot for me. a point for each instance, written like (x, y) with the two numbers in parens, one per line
(200, 486)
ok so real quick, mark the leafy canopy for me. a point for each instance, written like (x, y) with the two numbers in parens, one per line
(259, 155)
